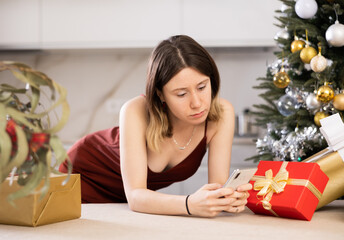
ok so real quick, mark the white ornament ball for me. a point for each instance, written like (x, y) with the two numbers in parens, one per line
(335, 34)
(318, 63)
(312, 101)
(284, 34)
(306, 9)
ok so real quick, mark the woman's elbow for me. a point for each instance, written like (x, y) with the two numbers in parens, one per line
(133, 198)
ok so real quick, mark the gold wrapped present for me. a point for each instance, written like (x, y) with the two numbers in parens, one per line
(332, 165)
(62, 202)
(331, 159)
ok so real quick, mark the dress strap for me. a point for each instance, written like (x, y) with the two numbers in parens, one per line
(205, 128)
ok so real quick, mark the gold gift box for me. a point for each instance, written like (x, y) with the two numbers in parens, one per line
(332, 165)
(62, 202)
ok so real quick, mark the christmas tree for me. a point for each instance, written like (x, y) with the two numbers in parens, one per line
(305, 82)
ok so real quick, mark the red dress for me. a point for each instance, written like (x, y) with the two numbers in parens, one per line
(96, 158)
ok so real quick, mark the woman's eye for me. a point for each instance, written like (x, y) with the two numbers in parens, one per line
(181, 94)
(201, 87)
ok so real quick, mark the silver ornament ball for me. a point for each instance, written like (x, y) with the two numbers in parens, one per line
(335, 34)
(312, 101)
(287, 105)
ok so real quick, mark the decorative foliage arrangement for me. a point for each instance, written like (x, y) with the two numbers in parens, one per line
(305, 83)
(29, 148)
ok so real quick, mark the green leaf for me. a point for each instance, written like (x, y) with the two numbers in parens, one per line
(24, 79)
(32, 183)
(39, 78)
(34, 99)
(45, 157)
(5, 143)
(9, 88)
(58, 149)
(65, 109)
(16, 65)
(4, 96)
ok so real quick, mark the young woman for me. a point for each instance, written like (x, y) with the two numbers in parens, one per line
(162, 138)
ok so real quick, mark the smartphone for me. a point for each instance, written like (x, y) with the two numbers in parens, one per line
(240, 177)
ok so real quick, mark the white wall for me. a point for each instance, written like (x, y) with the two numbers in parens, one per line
(99, 81)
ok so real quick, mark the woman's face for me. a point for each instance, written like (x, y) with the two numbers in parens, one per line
(188, 96)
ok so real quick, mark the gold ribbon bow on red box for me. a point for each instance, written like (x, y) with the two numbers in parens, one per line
(268, 185)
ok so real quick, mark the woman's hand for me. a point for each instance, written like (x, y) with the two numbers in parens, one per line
(212, 199)
(239, 199)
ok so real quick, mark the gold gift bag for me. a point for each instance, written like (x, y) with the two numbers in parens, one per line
(332, 165)
(62, 202)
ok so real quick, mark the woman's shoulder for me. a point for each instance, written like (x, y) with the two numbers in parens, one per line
(225, 122)
(226, 106)
(134, 108)
(134, 103)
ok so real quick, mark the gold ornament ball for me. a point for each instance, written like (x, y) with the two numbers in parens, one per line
(318, 116)
(325, 94)
(297, 45)
(281, 79)
(307, 54)
(338, 101)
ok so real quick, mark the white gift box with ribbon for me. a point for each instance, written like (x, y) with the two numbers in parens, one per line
(332, 128)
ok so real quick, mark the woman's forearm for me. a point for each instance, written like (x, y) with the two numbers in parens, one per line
(148, 201)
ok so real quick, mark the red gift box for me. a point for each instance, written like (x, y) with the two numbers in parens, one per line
(287, 189)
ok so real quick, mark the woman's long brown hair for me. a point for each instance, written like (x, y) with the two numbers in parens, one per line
(167, 59)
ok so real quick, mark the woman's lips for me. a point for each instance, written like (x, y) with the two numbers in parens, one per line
(198, 115)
